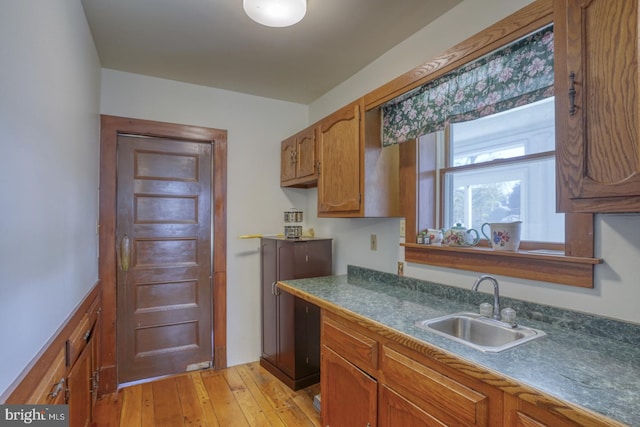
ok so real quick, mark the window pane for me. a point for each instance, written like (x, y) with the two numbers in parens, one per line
(523, 191)
(520, 192)
(524, 130)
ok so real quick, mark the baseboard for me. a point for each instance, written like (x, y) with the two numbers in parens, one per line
(24, 386)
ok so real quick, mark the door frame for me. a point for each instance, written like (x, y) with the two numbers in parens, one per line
(111, 127)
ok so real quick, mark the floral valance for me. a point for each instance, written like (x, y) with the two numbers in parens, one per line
(515, 75)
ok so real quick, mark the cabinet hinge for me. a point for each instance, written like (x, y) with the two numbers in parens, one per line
(318, 168)
(95, 381)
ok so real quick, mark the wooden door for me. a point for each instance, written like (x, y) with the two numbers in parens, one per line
(164, 250)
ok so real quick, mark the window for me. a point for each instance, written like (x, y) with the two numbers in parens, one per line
(436, 105)
(495, 131)
(501, 168)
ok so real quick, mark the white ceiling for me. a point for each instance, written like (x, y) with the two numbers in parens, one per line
(213, 43)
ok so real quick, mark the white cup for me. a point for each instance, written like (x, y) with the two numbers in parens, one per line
(503, 236)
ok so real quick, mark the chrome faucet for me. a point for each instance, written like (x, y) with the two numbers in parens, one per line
(496, 293)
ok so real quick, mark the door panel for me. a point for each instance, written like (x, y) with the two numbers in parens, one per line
(164, 299)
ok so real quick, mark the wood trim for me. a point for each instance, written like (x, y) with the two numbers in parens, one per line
(566, 270)
(24, 387)
(409, 188)
(111, 126)
(519, 24)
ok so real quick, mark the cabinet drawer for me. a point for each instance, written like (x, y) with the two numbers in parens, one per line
(441, 396)
(79, 338)
(359, 349)
(51, 388)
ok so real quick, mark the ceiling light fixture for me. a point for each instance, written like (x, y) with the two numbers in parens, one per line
(275, 13)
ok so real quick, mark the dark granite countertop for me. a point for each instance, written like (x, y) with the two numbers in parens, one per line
(586, 360)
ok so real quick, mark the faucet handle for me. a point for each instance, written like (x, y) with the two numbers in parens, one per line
(508, 315)
(486, 309)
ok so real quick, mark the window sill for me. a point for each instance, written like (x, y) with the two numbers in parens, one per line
(553, 267)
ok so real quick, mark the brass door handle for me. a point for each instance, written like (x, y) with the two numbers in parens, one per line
(125, 253)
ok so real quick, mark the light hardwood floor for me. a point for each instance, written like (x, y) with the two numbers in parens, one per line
(245, 395)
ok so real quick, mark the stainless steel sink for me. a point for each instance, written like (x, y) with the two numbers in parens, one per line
(480, 332)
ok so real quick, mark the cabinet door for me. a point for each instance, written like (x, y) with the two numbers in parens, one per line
(311, 259)
(348, 394)
(307, 338)
(288, 159)
(598, 152)
(306, 154)
(395, 410)
(269, 300)
(339, 181)
(79, 390)
(287, 333)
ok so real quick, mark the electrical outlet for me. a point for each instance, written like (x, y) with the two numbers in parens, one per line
(400, 268)
(374, 242)
(403, 224)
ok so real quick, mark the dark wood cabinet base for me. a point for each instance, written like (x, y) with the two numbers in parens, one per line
(293, 384)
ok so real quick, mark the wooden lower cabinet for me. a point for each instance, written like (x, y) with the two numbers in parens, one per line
(397, 410)
(519, 413)
(349, 395)
(432, 389)
(368, 379)
(290, 325)
(411, 389)
(79, 383)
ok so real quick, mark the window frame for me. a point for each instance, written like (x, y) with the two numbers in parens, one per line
(570, 263)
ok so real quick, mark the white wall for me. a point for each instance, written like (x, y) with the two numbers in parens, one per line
(255, 202)
(49, 100)
(617, 237)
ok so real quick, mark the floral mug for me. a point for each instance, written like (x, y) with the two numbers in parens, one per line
(435, 235)
(503, 236)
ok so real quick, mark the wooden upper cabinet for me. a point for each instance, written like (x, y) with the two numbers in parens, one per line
(598, 152)
(339, 137)
(358, 177)
(298, 160)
